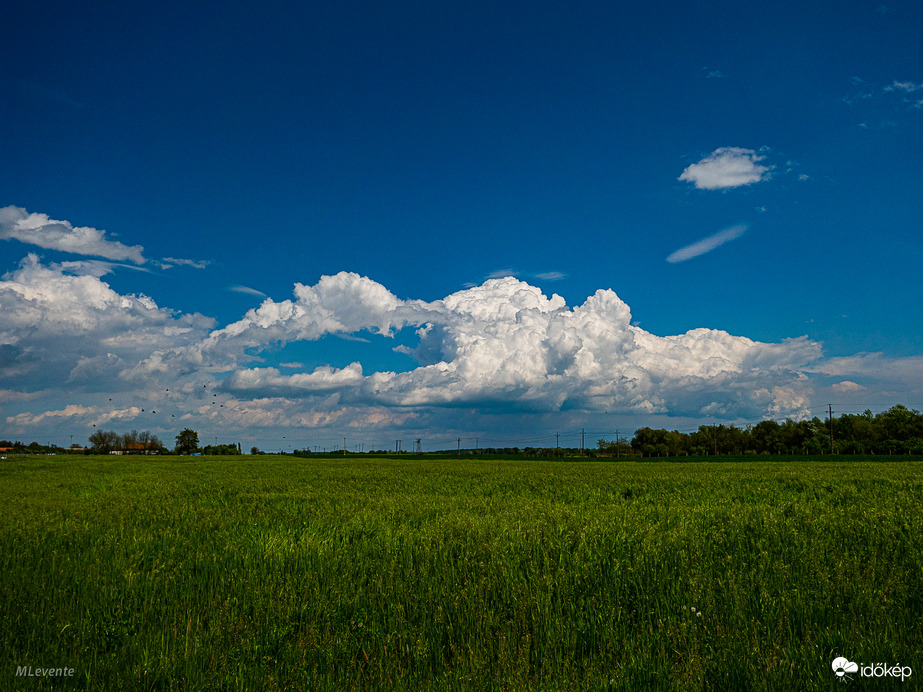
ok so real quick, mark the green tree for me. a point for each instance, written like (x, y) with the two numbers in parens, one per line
(104, 441)
(187, 442)
(898, 423)
(765, 437)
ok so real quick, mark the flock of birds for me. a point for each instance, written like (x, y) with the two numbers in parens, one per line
(173, 415)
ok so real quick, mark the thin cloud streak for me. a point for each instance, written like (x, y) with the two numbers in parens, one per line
(707, 244)
(170, 262)
(237, 288)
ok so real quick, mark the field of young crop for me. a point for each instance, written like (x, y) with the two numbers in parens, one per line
(274, 573)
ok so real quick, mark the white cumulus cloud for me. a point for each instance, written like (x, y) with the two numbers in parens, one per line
(725, 168)
(38, 229)
(56, 326)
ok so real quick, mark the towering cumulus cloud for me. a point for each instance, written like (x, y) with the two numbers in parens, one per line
(505, 343)
(74, 352)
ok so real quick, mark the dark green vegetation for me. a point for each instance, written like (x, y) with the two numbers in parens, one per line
(280, 573)
(898, 430)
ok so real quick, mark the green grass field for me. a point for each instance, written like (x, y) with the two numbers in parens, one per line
(266, 573)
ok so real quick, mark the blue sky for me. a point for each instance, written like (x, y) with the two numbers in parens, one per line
(742, 170)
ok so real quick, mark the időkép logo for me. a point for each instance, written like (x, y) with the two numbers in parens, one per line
(845, 670)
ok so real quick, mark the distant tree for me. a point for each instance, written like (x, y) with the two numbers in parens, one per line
(223, 450)
(105, 441)
(150, 440)
(658, 442)
(187, 442)
(610, 448)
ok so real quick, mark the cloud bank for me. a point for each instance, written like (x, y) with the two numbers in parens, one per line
(501, 348)
(726, 168)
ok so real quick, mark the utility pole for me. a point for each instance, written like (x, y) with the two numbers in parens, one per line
(582, 441)
(344, 446)
(557, 440)
(617, 444)
(459, 445)
(830, 413)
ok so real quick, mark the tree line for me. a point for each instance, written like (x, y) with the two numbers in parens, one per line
(106, 441)
(898, 430)
(187, 442)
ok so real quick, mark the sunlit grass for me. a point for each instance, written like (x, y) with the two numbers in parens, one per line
(277, 573)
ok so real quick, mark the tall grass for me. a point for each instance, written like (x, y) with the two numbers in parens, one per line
(273, 573)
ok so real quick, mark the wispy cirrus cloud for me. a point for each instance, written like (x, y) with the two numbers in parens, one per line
(725, 168)
(905, 87)
(551, 276)
(170, 262)
(707, 244)
(908, 88)
(902, 93)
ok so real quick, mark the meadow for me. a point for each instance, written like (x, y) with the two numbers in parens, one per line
(277, 573)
